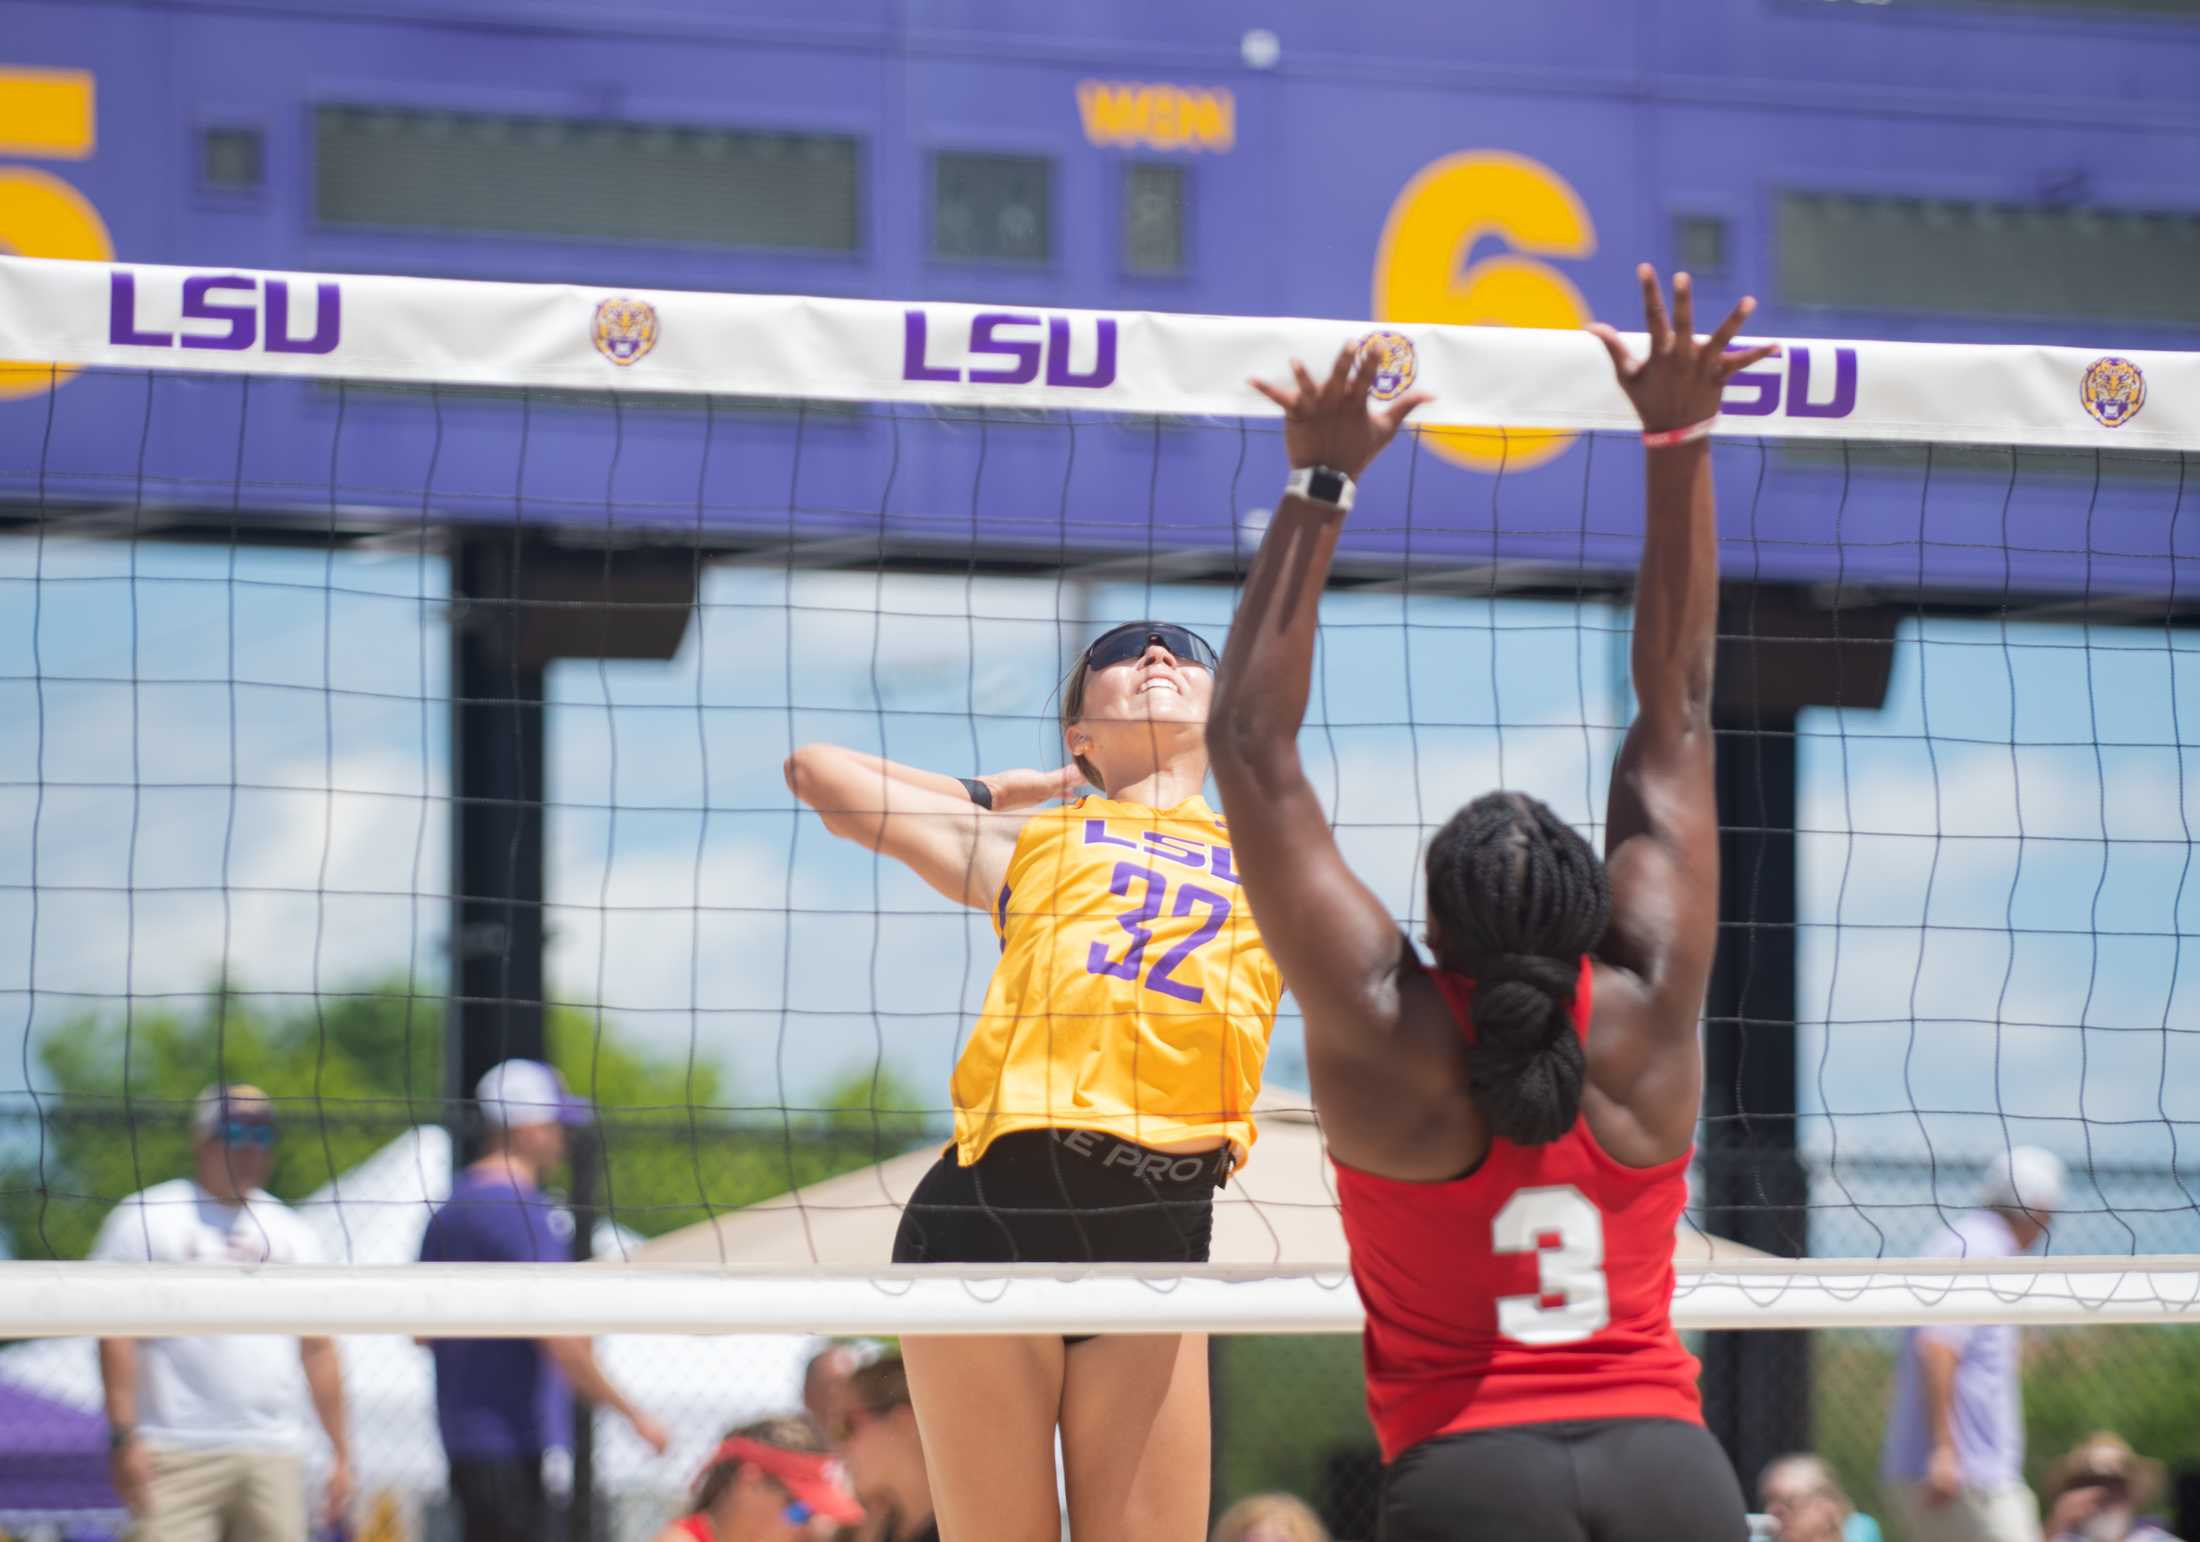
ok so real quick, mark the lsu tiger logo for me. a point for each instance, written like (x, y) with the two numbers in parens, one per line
(1396, 364)
(625, 329)
(2113, 391)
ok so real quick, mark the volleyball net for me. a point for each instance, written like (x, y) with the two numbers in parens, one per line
(400, 672)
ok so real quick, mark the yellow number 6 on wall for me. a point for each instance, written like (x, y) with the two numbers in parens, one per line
(1421, 272)
(45, 115)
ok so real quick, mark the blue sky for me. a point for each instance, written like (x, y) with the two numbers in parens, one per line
(698, 908)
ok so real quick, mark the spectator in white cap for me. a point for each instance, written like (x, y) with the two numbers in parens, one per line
(209, 1435)
(501, 1403)
(1954, 1449)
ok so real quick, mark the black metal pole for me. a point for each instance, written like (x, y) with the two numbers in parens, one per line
(1780, 651)
(1756, 1384)
(496, 818)
(587, 1159)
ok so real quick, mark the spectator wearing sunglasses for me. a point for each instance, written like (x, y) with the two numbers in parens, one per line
(772, 1481)
(209, 1435)
(2099, 1491)
(877, 1439)
(1104, 1092)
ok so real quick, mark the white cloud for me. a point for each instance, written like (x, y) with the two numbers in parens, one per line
(296, 887)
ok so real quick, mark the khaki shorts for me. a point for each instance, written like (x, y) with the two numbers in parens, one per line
(224, 1496)
(2008, 1514)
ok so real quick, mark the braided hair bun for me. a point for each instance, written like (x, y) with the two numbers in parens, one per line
(1518, 897)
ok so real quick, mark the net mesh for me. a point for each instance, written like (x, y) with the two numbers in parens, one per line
(236, 645)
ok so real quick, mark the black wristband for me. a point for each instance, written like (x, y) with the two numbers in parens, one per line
(120, 1435)
(980, 794)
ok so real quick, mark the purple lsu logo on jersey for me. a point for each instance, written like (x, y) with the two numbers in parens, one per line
(1025, 342)
(260, 314)
(1199, 856)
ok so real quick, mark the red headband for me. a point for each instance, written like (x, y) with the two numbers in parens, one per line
(811, 1476)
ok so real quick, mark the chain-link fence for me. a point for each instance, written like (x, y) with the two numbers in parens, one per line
(2142, 1383)
(366, 1177)
(1288, 1411)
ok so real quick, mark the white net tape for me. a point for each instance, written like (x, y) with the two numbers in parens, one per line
(520, 1301)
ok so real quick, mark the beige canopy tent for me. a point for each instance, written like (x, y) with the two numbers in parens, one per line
(1280, 1212)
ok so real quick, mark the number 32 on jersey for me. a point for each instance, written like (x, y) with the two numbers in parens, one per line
(1566, 1234)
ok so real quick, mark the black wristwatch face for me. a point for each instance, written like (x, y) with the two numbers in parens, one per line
(1324, 485)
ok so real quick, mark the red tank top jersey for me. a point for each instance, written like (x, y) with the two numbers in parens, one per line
(1539, 1287)
(696, 1526)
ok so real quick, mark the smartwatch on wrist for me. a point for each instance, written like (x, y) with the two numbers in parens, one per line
(1320, 484)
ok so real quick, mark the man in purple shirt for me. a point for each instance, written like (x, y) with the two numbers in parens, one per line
(501, 1403)
(1954, 1452)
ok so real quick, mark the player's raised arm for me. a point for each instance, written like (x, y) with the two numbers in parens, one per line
(1336, 943)
(1661, 839)
(955, 834)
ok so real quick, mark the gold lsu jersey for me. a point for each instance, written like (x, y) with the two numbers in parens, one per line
(1134, 994)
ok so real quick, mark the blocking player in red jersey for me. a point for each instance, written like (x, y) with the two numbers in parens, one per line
(1511, 1129)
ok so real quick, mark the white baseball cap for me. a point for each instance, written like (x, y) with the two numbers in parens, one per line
(518, 1093)
(227, 1102)
(2026, 1178)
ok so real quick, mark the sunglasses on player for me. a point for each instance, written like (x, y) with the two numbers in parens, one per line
(1127, 643)
(248, 1132)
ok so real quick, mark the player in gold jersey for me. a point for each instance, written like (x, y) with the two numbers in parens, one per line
(1105, 1092)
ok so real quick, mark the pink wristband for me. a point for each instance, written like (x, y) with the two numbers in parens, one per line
(1670, 437)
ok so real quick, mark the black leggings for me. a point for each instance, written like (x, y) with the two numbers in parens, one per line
(500, 1501)
(1590, 1480)
(1062, 1197)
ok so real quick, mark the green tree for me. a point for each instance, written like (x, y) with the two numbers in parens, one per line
(353, 1070)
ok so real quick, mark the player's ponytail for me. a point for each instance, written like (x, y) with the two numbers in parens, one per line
(1518, 897)
(1073, 708)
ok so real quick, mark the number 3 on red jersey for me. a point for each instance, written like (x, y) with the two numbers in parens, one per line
(1566, 1234)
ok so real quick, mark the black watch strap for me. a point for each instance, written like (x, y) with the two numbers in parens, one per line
(1321, 484)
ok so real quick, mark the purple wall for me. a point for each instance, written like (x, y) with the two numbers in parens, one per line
(1629, 115)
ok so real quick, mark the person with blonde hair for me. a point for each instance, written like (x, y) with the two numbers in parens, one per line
(1800, 1492)
(1270, 1518)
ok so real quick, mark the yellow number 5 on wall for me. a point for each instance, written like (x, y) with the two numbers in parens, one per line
(45, 115)
(1422, 274)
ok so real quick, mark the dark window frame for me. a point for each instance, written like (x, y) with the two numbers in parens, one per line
(1126, 197)
(855, 146)
(1681, 220)
(1050, 225)
(215, 195)
(1810, 267)
(2081, 12)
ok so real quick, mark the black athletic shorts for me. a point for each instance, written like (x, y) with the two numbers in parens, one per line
(500, 1501)
(1589, 1480)
(1063, 1197)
